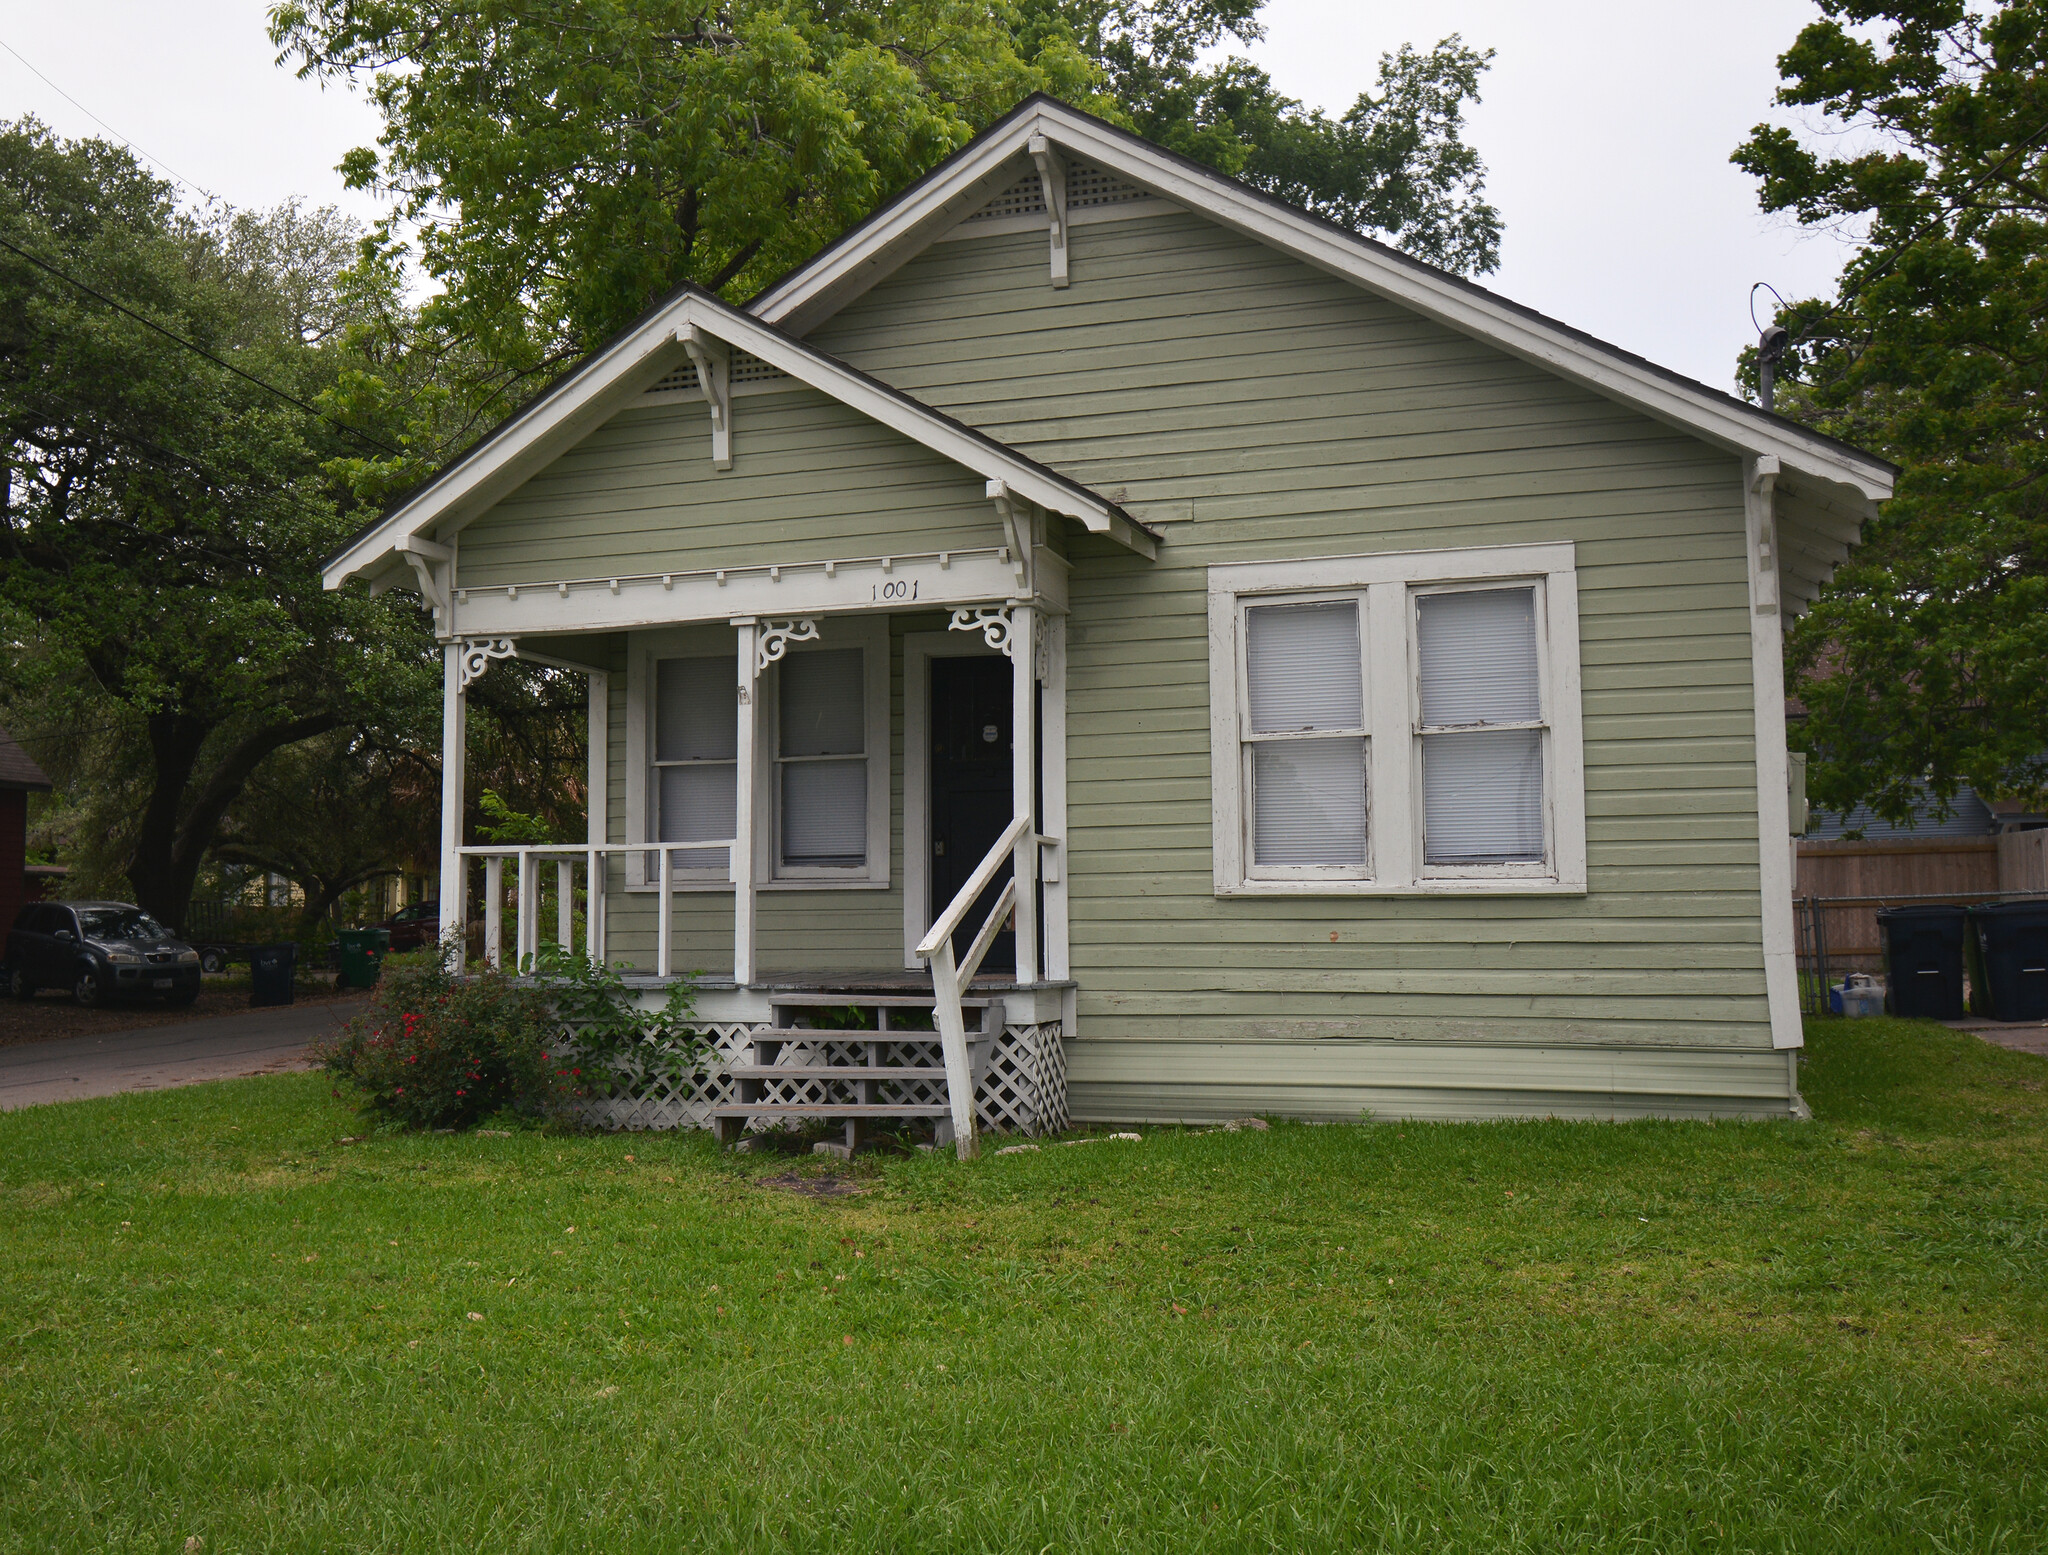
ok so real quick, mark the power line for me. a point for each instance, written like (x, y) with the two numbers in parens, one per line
(198, 350)
(102, 123)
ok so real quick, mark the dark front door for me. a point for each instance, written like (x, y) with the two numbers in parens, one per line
(970, 804)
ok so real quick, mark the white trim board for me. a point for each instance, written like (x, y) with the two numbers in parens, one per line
(616, 377)
(871, 252)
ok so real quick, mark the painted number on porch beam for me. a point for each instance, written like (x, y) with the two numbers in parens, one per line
(896, 588)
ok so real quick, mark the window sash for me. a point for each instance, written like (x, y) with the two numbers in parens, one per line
(799, 830)
(1354, 862)
(714, 734)
(1513, 864)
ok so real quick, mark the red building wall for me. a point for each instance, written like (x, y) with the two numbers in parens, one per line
(13, 854)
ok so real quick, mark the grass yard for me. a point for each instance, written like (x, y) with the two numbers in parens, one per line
(220, 1323)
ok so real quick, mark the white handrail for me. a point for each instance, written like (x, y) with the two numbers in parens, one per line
(948, 979)
(949, 920)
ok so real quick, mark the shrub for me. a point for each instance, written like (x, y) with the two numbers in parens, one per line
(438, 1049)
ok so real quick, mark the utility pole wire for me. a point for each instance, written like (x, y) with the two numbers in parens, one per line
(102, 123)
(198, 350)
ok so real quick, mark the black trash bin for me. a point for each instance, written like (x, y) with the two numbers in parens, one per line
(1923, 959)
(271, 968)
(2009, 960)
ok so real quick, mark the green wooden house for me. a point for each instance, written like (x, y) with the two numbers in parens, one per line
(1163, 657)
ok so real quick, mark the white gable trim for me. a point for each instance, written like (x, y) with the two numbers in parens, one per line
(638, 359)
(802, 300)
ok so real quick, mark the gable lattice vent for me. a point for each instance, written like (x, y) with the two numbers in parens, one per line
(746, 368)
(1086, 186)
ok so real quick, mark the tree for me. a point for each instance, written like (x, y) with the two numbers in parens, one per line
(165, 515)
(561, 163)
(1925, 664)
(333, 813)
(1393, 165)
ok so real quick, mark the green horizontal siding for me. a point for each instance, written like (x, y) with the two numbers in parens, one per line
(1268, 411)
(811, 481)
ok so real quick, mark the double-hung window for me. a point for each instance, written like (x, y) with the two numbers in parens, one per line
(1403, 723)
(821, 757)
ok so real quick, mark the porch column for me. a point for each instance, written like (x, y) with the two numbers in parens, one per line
(742, 853)
(454, 751)
(1024, 782)
(597, 809)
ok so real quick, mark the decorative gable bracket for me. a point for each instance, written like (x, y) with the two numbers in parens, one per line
(433, 565)
(1052, 177)
(713, 359)
(1020, 535)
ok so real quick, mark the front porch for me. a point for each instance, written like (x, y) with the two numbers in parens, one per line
(963, 1024)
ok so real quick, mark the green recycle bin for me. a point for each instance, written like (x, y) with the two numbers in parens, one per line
(362, 956)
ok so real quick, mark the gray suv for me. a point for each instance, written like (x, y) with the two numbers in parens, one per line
(98, 950)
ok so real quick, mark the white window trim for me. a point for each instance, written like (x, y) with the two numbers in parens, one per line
(1387, 585)
(870, 632)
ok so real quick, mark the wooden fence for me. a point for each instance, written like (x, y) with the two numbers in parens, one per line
(2023, 861)
(1871, 873)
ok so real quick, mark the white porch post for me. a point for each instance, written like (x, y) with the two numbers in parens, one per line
(597, 807)
(454, 751)
(1023, 782)
(1052, 820)
(742, 854)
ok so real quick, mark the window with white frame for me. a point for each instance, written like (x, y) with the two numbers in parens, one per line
(821, 764)
(821, 784)
(1399, 723)
(696, 758)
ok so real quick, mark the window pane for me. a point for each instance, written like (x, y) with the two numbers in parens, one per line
(1308, 802)
(1302, 667)
(1482, 797)
(825, 812)
(695, 715)
(1478, 654)
(696, 802)
(821, 704)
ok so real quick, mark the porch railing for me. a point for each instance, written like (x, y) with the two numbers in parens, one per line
(528, 860)
(949, 977)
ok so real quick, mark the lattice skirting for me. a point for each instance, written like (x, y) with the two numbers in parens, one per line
(1022, 1090)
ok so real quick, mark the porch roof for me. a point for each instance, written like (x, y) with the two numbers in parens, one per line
(607, 382)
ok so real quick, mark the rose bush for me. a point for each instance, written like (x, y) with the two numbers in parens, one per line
(438, 1049)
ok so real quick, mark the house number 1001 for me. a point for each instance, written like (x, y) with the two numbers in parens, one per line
(897, 588)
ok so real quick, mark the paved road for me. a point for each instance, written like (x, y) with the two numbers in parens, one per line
(261, 1042)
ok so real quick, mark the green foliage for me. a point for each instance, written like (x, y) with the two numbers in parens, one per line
(504, 824)
(165, 517)
(1927, 660)
(612, 1029)
(1393, 165)
(556, 165)
(436, 1050)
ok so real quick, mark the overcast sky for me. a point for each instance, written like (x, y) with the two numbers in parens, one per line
(1606, 129)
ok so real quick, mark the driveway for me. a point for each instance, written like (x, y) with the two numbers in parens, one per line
(2021, 1036)
(222, 1048)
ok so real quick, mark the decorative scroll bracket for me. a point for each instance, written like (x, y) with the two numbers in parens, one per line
(714, 376)
(476, 656)
(1052, 179)
(993, 622)
(775, 640)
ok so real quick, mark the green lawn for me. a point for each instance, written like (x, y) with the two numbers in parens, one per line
(219, 1322)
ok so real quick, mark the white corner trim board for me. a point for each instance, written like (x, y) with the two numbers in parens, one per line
(878, 246)
(1773, 799)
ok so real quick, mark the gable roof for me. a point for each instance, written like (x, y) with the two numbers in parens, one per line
(18, 768)
(957, 187)
(608, 381)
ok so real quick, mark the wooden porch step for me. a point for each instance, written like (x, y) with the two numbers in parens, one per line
(834, 1110)
(833, 1072)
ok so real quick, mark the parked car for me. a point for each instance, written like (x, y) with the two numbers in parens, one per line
(414, 926)
(98, 950)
